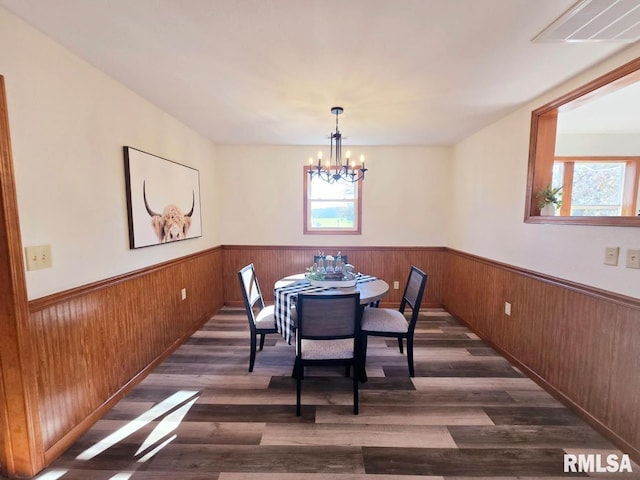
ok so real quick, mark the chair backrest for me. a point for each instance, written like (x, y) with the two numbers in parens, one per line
(328, 317)
(413, 293)
(250, 290)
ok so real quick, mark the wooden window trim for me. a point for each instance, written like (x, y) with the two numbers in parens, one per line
(305, 211)
(543, 138)
(567, 188)
(630, 199)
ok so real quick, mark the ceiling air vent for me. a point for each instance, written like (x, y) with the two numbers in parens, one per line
(596, 21)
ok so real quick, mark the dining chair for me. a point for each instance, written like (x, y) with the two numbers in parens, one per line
(261, 317)
(328, 333)
(386, 322)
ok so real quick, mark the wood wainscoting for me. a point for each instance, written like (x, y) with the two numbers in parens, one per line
(579, 343)
(93, 343)
(388, 263)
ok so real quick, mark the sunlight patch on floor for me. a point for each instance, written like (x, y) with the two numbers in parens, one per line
(51, 475)
(138, 423)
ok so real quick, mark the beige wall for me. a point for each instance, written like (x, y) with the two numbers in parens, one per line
(404, 199)
(490, 172)
(68, 124)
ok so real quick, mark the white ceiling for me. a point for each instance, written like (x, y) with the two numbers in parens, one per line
(617, 112)
(407, 72)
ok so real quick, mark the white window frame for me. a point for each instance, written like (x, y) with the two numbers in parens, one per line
(311, 230)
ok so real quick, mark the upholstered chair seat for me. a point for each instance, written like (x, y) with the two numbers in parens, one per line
(384, 320)
(320, 349)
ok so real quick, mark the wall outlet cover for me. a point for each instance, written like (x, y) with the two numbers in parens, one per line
(633, 258)
(611, 255)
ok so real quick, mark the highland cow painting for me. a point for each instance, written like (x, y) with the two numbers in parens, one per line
(163, 199)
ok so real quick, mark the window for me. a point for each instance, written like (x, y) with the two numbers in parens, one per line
(597, 186)
(333, 208)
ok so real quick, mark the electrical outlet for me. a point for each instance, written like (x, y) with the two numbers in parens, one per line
(38, 257)
(611, 255)
(396, 285)
(633, 258)
(507, 308)
(183, 294)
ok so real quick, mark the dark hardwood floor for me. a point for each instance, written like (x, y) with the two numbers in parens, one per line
(468, 413)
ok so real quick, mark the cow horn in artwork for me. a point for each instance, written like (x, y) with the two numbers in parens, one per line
(146, 204)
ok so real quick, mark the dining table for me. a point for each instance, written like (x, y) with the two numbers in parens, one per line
(286, 289)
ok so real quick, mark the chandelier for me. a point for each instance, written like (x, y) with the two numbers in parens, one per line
(332, 172)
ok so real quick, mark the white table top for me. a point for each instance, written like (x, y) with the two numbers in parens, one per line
(369, 291)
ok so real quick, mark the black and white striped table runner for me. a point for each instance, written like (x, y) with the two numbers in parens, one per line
(285, 298)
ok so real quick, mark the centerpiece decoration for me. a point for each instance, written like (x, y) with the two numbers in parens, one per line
(331, 272)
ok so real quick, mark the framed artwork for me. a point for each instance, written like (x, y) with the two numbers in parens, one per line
(163, 199)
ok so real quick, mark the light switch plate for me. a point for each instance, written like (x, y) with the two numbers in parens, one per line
(611, 255)
(633, 258)
(38, 257)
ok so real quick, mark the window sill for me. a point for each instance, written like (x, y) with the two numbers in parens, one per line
(331, 232)
(593, 221)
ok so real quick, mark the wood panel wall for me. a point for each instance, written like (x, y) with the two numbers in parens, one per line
(387, 263)
(580, 343)
(93, 342)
